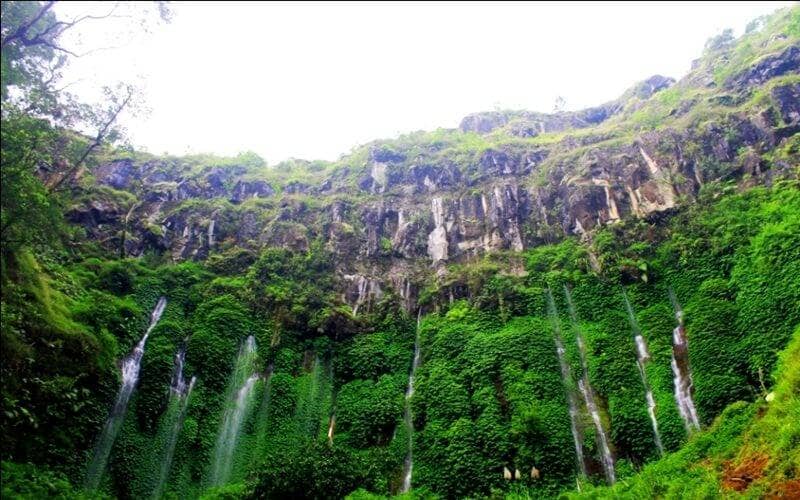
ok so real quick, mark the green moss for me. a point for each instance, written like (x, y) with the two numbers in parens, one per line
(489, 392)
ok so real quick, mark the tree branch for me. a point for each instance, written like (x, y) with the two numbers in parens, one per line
(47, 36)
(65, 25)
(23, 29)
(37, 40)
(98, 140)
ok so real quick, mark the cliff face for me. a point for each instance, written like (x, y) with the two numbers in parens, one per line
(394, 209)
(630, 270)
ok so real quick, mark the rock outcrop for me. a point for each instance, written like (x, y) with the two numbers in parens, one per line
(410, 206)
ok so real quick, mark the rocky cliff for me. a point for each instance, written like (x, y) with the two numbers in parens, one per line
(209, 327)
(394, 209)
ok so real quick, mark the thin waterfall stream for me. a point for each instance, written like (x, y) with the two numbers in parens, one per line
(606, 458)
(332, 418)
(682, 372)
(264, 410)
(566, 378)
(408, 419)
(239, 402)
(178, 384)
(130, 367)
(642, 357)
(180, 392)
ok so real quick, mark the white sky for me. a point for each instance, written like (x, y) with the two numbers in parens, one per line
(313, 80)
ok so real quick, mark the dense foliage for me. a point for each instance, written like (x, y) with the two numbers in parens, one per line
(320, 403)
(489, 393)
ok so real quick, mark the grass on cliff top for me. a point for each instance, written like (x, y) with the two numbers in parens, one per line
(689, 103)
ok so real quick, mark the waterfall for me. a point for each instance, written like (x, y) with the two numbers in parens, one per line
(179, 397)
(588, 396)
(310, 406)
(130, 376)
(178, 384)
(362, 293)
(408, 419)
(331, 427)
(682, 372)
(211, 232)
(314, 397)
(643, 356)
(332, 411)
(566, 378)
(437, 239)
(263, 412)
(239, 402)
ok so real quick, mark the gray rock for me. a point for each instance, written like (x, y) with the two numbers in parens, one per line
(788, 61)
(244, 190)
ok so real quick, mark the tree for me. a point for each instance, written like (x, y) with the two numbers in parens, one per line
(559, 105)
(756, 24)
(721, 41)
(40, 154)
(33, 54)
(29, 215)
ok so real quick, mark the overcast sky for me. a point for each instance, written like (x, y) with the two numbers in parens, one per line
(313, 80)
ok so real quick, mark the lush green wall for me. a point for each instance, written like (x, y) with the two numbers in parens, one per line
(489, 392)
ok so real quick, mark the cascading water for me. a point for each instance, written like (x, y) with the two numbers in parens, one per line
(239, 403)
(588, 396)
(643, 356)
(179, 398)
(331, 427)
(682, 372)
(566, 377)
(173, 420)
(130, 376)
(178, 384)
(332, 418)
(211, 232)
(263, 412)
(310, 408)
(408, 419)
(605, 457)
(362, 294)
(314, 398)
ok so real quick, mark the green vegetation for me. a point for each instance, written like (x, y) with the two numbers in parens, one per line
(489, 393)
(750, 447)
(325, 417)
